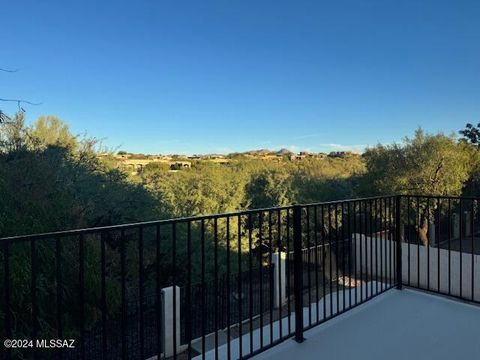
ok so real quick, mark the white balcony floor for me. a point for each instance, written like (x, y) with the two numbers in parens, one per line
(396, 325)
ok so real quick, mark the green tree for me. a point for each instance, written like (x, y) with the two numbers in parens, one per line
(269, 188)
(51, 182)
(425, 165)
(13, 134)
(471, 134)
(154, 172)
(50, 130)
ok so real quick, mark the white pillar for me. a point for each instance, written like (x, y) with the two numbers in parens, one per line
(169, 318)
(279, 279)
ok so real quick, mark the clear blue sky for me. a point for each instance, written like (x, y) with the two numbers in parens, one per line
(219, 76)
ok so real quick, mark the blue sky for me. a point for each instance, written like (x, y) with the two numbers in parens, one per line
(221, 76)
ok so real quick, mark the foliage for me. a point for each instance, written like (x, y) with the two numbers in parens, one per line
(269, 188)
(154, 173)
(46, 187)
(49, 181)
(471, 134)
(50, 130)
(426, 164)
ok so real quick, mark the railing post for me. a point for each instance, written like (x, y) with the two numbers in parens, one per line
(171, 321)
(279, 279)
(398, 222)
(298, 272)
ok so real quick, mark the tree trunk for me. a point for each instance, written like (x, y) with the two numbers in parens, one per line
(423, 231)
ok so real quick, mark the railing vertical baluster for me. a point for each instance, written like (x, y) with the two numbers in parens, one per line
(388, 241)
(342, 242)
(58, 263)
(174, 281)
(228, 290)
(367, 253)
(330, 257)
(382, 242)
(81, 286)
(366, 229)
(368, 271)
(428, 243)
(103, 295)
(350, 250)
(438, 243)
(398, 224)
(141, 291)
(349, 242)
(317, 299)
(360, 247)
(307, 215)
(417, 221)
(158, 294)
(270, 273)
(472, 219)
(215, 277)
(379, 247)
(324, 268)
(239, 280)
(449, 247)
(188, 319)
(280, 278)
(123, 275)
(371, 223)
(8, 325)
(393, 270)
(288, 272)
(383, 245)
(388, 254)
(337, 282)
(260, 273)
(250, 276)
(375, 228)
(354, 244)
(204, 313)
(460, 245)
(298, 272)
(33, 291)
(409, 234)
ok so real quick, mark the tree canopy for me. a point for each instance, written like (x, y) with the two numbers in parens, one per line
(52, 181)
(425, 164)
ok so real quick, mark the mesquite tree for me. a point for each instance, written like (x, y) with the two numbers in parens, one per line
(423, 165)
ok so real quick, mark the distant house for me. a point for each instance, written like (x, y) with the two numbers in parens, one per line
(177, 165)
(122, 156)
(302, 155)
(338, 154)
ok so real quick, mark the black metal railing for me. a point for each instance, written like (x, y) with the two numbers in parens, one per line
(230, 285)
(439, 251)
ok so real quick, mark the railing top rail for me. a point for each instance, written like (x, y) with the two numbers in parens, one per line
(74, 232)
(347, 200)
(439, 197)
